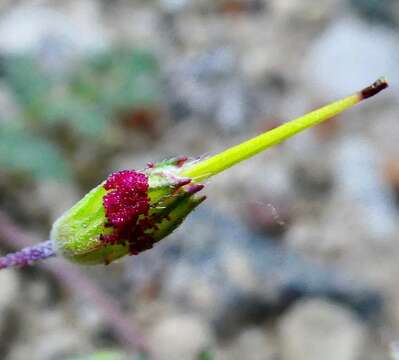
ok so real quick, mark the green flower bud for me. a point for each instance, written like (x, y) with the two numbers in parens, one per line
(126, 214)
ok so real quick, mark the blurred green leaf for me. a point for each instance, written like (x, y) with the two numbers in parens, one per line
(89, 96)
(85, 119)
(29, 82)
(23, 152)
(205, 355)
(119, 79)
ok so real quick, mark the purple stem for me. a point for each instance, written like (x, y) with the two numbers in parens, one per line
(28, 255)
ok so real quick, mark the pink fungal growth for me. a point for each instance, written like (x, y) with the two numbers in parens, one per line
(126, 201)
(128, 198)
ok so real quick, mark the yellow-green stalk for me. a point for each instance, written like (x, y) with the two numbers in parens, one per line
(222, 161)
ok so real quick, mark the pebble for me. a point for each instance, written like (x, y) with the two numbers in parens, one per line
(32, 28)
(51, 334)
(350, 54)
(359, 179)
(9, 291)
(251, 344)
(315, 329)
(9, 288)
(180, 337)
(211, 86)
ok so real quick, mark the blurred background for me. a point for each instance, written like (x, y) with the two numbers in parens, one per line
(294, 256)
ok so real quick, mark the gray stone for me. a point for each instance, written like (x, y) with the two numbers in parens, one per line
(180, 337)
(359, 180)
(50, 335)
(251, 344)
(9, 292)
(211, 85)
(33, 28)
(9, 311)
(316, 329)
(350, 54)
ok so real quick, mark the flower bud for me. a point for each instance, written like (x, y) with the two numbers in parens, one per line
(132, 210)
(126, 214)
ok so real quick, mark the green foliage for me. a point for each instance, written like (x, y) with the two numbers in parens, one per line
(28, 81)
(23, 152)
(84, 100)
(87, 97)
(205, 355)
(122, 79)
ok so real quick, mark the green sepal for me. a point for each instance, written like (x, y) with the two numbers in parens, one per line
(77, 234)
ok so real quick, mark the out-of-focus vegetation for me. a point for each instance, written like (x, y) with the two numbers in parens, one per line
(84, 103)
(22, 151)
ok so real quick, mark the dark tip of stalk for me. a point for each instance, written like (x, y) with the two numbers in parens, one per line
(374, 89)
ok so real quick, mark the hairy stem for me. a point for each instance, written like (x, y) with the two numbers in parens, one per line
(28, 255)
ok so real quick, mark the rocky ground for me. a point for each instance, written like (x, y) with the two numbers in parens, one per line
(295, 253)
